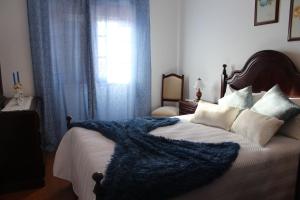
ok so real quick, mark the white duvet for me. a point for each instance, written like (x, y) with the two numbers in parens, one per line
(258, 173)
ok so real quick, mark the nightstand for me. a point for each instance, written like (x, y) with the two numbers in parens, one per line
(187, 107)
(22, 165)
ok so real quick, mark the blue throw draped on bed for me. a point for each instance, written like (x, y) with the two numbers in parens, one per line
(144, 166)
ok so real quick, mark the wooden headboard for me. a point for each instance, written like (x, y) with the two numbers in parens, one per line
(263, 70)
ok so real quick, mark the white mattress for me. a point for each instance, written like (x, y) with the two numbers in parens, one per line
(258, 173)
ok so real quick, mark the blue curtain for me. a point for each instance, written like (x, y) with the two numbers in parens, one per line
(91, 60)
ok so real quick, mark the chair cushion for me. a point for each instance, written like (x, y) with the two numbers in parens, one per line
(165, 111)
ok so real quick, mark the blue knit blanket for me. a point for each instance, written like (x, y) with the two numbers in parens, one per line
(148, 167)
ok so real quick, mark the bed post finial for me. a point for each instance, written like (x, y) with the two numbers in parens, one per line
(98, 189)
(68, 118)
(224, 80)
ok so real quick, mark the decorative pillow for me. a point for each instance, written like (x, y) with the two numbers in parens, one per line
(275, 104)
(229, 90)
(215, 115)
(165, 111)
(257, 96)
(292, 127)
(240, 99)
(256, 127)
(295, 100)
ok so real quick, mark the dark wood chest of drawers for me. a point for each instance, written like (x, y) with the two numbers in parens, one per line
(21, 157)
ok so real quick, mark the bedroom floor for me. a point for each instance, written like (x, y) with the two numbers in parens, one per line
(54, 189)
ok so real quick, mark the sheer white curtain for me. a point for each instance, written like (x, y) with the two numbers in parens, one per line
(115, 42)
(91, 60)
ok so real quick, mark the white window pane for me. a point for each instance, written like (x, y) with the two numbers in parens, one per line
(102, 46)
(116, 48)
(101, 28)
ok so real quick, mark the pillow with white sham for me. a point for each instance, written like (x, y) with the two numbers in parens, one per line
(215, 115)
(255, 95)
(295, 100)
(292, 127)
(229, 90)
(239, 99)
(256, 127)
(276, 104)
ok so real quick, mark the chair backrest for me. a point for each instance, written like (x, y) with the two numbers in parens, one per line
(172, 88)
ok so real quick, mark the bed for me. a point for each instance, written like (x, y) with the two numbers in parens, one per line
(268, 172)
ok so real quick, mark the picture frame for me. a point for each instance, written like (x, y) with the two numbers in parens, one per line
(294, 21)
(266, 12)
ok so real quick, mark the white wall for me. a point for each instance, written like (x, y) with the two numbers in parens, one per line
(15, 49)
(165, 18)
(216, 32)
(14, 45)
(191, 36)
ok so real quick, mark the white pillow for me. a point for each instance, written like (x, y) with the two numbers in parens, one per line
(229, 90)
(256, 96)
(215, 115)
(256, 127)
(292, 127)
(276, 104)
(295, 100)
(240, 99)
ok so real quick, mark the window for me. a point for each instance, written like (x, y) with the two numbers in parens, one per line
(115, 51)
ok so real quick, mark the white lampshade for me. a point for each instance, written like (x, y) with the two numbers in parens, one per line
(197, 83)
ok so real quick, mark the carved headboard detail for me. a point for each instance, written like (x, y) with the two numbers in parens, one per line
(263, 70)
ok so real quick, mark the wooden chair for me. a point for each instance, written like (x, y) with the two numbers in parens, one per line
(172, 91)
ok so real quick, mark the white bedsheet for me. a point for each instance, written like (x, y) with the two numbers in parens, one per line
(257, 173)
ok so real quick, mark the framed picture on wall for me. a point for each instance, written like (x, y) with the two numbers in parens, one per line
(294, 25)
(266, 12)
